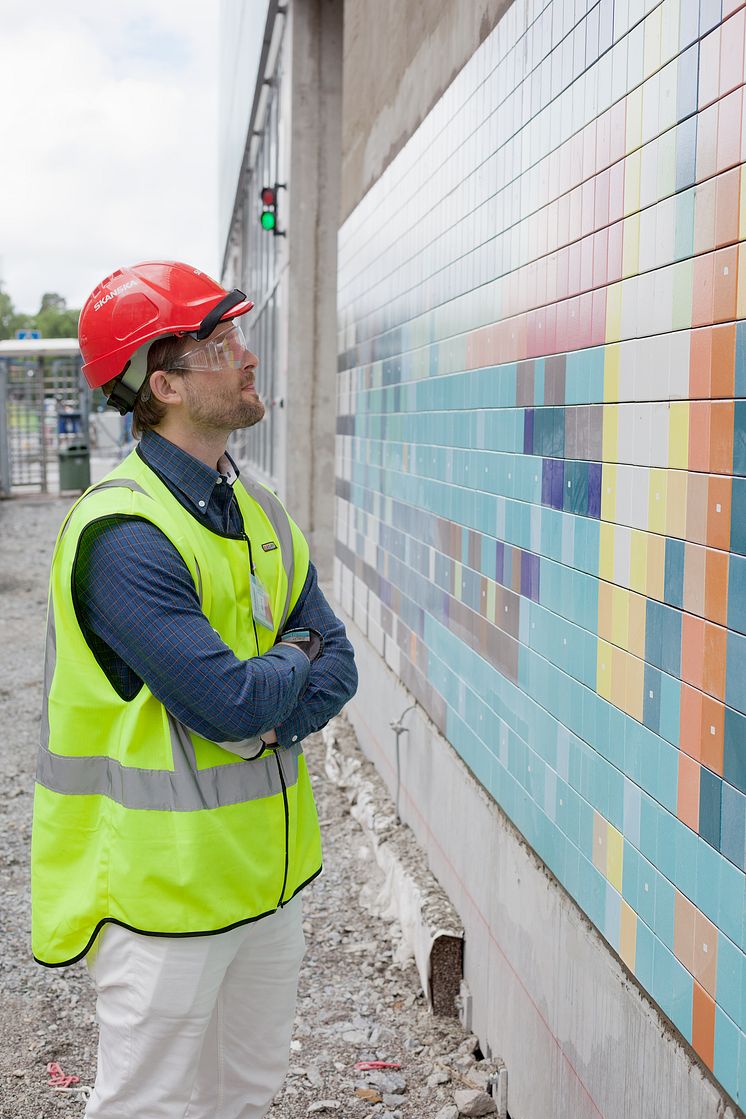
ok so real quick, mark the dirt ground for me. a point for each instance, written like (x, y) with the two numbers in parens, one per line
(355, 1003)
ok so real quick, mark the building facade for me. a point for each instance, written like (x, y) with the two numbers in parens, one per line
(540, 516)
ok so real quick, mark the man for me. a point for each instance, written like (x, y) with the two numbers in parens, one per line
(189, 652)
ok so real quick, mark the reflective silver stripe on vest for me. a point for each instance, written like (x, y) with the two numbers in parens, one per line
(184, 790)
(278, 518)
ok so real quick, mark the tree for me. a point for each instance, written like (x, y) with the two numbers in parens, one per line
(54, 319)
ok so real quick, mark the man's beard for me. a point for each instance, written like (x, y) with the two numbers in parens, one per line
(226, 415)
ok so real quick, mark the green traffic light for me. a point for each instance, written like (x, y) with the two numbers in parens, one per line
(268, 219)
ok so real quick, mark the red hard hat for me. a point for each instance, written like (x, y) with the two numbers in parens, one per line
(134, 306)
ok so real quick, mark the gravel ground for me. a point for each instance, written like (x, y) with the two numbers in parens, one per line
(355, 1003)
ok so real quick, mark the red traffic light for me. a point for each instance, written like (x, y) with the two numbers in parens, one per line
(268, 196)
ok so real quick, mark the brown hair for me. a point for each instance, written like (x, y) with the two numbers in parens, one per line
(148, 411)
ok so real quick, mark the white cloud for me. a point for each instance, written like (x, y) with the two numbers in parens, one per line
(109, 135)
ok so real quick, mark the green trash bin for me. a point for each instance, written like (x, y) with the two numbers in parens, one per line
(75, 467)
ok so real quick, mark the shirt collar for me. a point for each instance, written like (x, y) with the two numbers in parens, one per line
(193, 479)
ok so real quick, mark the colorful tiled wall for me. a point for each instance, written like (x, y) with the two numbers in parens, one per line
(541, 464)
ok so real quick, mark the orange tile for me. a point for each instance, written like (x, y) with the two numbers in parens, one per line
(703, 1025)
(705, 953)
(727, 192)
(725, 284)
(728, 149)
(696, 507)
(690, 724)
(721, 437)
(699, 436)
(684, 917)
(712, 734)
(716, 586)
(604, 610)
(718, 511)
(687, 802)
(730, 6)
(703, 303)
(692, 649)
(723, 359)
(705, 205)
(713, 670)
(700, 362)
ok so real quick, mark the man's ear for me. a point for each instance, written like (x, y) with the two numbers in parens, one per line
(164, 386)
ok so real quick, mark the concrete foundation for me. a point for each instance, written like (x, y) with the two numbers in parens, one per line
(578, 1036)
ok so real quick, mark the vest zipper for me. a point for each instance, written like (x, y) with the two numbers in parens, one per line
(287, 829)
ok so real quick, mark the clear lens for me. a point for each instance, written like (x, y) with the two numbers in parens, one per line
(229, 352)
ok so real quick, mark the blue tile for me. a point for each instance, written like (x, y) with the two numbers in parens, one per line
(644, 949)
(738, 516)
(725, 1066)
(735, 672)
(731, 911)
(739, 437)
(671, 641)
(707, 896)
(730, 978)
(737, 593)
(664, 910)
(685, 847)
(741, 358)
(710, 791)
(674, 572)
(652, 698)
(673, 988)
(734, 750)
(733, 825)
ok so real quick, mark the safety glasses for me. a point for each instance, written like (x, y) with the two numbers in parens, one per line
(229, 352)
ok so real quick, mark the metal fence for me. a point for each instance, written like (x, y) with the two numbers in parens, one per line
(44, 405)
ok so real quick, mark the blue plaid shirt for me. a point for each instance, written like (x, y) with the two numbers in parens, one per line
(139, 611)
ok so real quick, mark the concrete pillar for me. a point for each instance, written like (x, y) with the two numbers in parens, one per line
(313, 218)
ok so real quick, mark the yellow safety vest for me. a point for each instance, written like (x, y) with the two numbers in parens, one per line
(138, 819)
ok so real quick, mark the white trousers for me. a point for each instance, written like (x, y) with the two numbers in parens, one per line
(195, 1027)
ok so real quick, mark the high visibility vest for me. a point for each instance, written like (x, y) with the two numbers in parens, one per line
(138, 819)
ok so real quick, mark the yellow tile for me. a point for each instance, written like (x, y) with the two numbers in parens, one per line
(742, 207)
(670, 10)
(652, 43)
(677, 493)
(620, 616)
(605, 552)
(657, 497)
(614, 312)
(656, 567)
(491, 599)
(635, 682)
(612, 362)
(634, 120)
(682, 295)
(610, 434)
(678, 434)
(628, 935)
(603, 669)
(638, 565)
(631, 246)
(614, 856)
(605, 594)
(608, 492)
(637, 616)
(457, 580)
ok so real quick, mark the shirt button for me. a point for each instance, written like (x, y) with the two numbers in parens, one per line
(219, 480)
(295, 738)
(201, 504)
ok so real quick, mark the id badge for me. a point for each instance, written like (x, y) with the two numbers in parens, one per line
(260, 604)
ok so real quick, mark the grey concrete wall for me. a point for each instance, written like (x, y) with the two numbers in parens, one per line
(579, 1037)
(313, 219)
(399, 57)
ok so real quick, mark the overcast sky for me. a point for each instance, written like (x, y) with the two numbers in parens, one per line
(109, 141)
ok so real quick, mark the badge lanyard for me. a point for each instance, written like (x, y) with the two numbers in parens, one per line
(261, 609)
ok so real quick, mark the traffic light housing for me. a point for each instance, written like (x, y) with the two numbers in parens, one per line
(268, 216)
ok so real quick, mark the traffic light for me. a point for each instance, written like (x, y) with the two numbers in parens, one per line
(268, 216)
